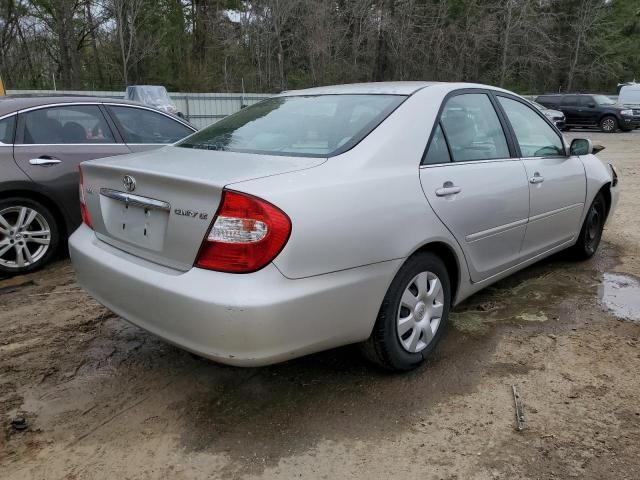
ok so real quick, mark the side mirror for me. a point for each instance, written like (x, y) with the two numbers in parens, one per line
(581, 146)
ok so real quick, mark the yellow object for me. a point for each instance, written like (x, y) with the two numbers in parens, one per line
(2, 91)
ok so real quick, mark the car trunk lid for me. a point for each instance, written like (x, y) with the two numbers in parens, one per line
(159, 205)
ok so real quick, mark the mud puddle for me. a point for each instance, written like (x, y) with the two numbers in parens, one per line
(621, 295)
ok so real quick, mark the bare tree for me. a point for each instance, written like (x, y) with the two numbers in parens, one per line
(128, 16)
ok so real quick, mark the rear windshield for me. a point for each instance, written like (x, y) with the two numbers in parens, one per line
(315, 126)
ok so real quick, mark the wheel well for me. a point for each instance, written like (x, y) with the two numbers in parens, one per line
(43, 199)
(605, 115)
(448, 256)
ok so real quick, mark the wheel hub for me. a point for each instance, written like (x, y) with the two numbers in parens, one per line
(420, 312)
(25, 236)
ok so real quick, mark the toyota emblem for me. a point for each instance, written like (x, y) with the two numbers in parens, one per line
(129, 183)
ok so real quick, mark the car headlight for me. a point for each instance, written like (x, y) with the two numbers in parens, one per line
(627, 112)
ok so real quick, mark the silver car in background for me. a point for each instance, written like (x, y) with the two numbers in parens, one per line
(335, 215)
(556, 116)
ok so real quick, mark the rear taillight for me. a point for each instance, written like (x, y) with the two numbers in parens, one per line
(84, 211)
(247, 233)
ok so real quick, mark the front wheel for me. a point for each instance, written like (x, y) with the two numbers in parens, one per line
(609, 124)
(591, 231)
(412, 316)
(28, 235)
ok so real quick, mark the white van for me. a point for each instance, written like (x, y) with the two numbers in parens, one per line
(630, 95)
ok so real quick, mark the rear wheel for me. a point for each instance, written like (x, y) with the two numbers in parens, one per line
(591, 232)
(29, 235)
(412, 316)
(609, 124)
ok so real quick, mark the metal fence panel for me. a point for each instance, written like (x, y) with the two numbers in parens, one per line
(201, 109)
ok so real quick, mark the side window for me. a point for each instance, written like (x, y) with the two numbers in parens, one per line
(66, 124)
(7, 129)
(473, 129)
(438, 151)
(139, 125)
(585, 101)
(570, 100)
(535, 137)
(548, 100)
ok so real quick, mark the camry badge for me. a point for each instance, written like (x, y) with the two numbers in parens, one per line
(129, 183)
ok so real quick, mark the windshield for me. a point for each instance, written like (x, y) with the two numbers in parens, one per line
(320, 125)
(603, 100)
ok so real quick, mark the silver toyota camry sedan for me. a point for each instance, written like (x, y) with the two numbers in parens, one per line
(336, 215)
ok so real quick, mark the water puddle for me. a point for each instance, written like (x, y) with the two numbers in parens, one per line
(621, 295)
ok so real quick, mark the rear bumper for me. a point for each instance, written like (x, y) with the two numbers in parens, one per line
(245, 320)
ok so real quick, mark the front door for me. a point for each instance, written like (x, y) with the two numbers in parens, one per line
(588, 111)
(557, 182)
(51, 142)
(474, 186)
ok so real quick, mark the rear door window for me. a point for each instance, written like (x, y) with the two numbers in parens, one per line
(68, 124)
(7, 130)
(552, 100)
(473, 129)
(139, 125)
(570, 101)
(438, 151)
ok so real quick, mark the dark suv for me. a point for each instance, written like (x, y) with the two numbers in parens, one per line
(583, 110)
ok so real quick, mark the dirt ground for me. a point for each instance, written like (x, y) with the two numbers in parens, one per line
(106, 400)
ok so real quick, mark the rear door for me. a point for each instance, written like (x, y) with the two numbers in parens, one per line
(557, 182)
(474, 185)
(52, 141)
(570, 106)
(145, 129)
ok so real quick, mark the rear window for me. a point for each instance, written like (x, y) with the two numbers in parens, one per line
(315, 126)
(548, 99)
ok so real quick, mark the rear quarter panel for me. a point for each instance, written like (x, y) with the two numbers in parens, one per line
(364, 206)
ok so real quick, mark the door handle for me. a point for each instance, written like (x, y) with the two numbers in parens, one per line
(448, 188)
(537, 178)
(44, 161)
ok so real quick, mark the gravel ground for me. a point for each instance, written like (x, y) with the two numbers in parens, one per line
(104, 399)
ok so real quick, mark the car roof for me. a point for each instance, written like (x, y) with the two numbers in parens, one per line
(13, 103)
(385, 88)
(378, 88)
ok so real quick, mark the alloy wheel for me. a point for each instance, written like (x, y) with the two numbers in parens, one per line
(608, 125)
(420, 312)
(25, 237)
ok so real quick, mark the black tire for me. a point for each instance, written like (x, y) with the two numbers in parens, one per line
(41, 253)
(609, 124)
(384, 346)
(591, 231)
